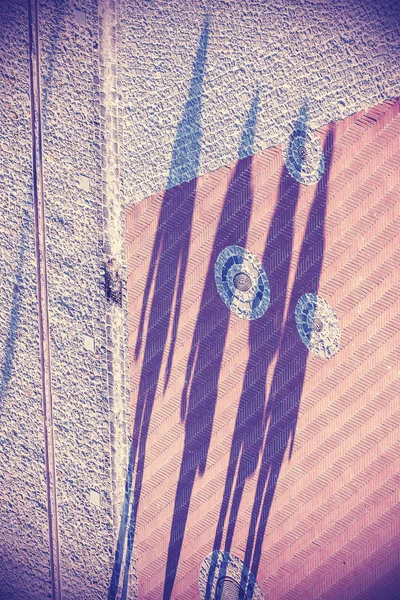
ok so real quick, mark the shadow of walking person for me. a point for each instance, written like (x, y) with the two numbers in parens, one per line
(264, 336)
(286, 388)
(204, 363)
(165, 279)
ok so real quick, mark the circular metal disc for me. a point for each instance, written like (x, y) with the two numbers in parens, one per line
(304, 157)
(318, 326)
(223, 577)
(227, 589)
(242, 282)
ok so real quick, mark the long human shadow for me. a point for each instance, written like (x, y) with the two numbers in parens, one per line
(165, 280)
(200, 392)
(264, 336)
(15, 312)
(288, 379)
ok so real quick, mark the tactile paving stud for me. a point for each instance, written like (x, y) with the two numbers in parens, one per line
(242, 282)
(318, 325)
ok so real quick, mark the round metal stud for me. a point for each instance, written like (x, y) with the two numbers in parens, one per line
(303, 154)
(242, 282)
(318, 325)
(227, 589)
(302, 151)
(225, 577)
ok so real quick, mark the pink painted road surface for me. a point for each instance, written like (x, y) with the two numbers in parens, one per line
(243, 440)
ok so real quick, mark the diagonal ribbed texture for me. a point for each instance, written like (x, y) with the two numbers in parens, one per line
(242, 439)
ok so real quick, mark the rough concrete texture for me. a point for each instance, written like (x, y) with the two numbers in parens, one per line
(24, 548)
(342, 56)
(74, 165)
(87, 341)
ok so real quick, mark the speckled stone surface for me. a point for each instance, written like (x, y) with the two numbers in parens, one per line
(87, 343)
(73, 173)
(24, 550)
(338, 56)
